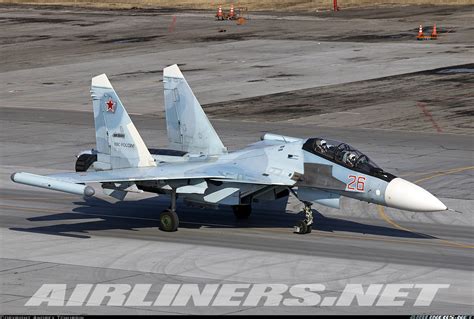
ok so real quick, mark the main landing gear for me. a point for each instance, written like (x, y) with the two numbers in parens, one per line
(304, 226)
(169, 220)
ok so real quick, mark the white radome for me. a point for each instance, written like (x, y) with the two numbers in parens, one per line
(405, 195)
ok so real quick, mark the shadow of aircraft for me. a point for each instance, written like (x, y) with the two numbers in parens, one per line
(100, 215)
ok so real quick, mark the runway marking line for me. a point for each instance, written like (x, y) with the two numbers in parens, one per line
(421, 243)
(385, 217)
(448, 172)
(438, 172)
(429, 116)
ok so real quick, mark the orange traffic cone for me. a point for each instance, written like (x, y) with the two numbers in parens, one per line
(219, 14)
(434, 34)
(420, 35)
(231, 13)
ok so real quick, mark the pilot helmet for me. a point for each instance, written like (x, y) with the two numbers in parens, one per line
(351, 157)
(323, 144)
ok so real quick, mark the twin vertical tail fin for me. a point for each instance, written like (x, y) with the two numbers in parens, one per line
(118, 143)
(188, 127)
(120, 146)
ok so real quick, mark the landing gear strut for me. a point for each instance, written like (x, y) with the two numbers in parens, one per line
(169, 220)
(304, 226)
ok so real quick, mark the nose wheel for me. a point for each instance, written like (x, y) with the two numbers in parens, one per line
(305, 226)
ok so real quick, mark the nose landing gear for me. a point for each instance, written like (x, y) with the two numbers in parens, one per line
(305, 226)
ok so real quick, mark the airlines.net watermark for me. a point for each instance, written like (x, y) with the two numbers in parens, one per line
(234, 295)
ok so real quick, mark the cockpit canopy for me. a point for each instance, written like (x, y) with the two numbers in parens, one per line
(346, 155)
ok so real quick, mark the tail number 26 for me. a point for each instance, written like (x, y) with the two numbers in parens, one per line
(356, 183)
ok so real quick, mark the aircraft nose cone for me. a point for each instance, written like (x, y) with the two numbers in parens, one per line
(405, 195)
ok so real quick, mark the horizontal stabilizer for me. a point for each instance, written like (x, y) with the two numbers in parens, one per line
(220, 194)
(199, 188)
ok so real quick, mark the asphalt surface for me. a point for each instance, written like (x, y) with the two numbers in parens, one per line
(50, 237)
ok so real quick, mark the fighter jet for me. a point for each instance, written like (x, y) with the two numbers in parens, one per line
(200, 170)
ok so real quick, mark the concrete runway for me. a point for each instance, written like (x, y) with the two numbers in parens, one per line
(50, 237)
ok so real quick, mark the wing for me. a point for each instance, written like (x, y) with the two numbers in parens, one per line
(171, 171)
(120, 181)
(163, 172)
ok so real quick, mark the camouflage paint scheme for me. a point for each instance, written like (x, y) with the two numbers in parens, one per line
(205, 172)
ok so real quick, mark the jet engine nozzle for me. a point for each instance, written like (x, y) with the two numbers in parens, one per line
(403, 194)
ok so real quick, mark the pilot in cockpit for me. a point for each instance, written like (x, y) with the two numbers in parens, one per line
(321, 146)
(349, 159)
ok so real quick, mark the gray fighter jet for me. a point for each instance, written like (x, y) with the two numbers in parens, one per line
(199, 169)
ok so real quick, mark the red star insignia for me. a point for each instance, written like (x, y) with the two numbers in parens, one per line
(110, 106)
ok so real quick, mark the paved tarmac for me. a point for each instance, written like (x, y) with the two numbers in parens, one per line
(50, 237)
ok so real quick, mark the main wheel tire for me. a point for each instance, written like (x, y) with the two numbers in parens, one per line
(242, 211)
(169, 221)
(301, 227)
(308, 229)
(84, 161)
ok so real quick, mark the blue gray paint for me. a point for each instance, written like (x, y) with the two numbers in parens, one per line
(188, 127)
(209, 174)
